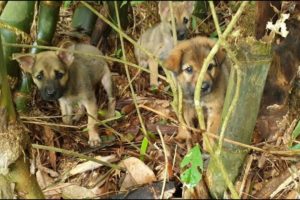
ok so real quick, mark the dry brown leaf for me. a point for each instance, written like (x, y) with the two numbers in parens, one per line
(137, 173)
(77, 192)
(49, 141)
(90, 165)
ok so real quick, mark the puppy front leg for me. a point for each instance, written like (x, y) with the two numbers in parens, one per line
(66, 111)
(79, 113)
(213, 125)
(153, 67)
(91, 108)
(108, 87)
(188, 115)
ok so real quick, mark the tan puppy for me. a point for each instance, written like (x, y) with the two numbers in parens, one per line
(186, 61)
(158, 40)
(71, 78)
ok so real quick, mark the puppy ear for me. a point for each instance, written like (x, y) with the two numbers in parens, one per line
(189, 5)
(26, 61)
(220, 56)
(173, 61)
(65, 56)
(163, 9)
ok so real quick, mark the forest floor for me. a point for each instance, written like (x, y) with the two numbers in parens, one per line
(65, 176)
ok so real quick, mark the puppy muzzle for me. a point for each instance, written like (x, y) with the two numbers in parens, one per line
(51, 92)
(181, 35)
(206, 88)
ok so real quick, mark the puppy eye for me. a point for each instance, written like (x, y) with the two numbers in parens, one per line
(210, 67)
(39, 77)
(185, 20)
(188, 69)
(58, 75)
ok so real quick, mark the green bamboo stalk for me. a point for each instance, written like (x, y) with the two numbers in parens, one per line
(123, 12)
(83, 19)
(255, 58)
(14, 140)
(6, 103)
(18, 14)
(47, 21)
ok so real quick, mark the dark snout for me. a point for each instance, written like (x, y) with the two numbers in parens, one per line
(51, 91)
(206, 87)
(181, 34)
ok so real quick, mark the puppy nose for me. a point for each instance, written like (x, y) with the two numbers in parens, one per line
(180, 35)
(50, 91)
(205, 87)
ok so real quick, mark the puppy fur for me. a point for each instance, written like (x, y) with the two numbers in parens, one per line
(71, 78)
(158, 40)
(186, 61)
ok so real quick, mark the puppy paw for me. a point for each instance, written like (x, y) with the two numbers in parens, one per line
(67, 120)
(77, 117)
(94, 140)
(109, 114)
(183, 134)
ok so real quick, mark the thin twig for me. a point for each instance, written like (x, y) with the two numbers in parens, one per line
(208, 59)
(228, 182)
(128, 76)
(230, 111)
(81, 53)
(199, 110)
(249, 163)
(170, 77)
(173, 23)
(238, 84)
(166, 162)
(75, 154)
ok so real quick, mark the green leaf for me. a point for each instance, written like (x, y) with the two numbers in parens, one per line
(134, 3)
(102, 113)
(144, 148)
(117, 115)
(193, 160)
(128, 137)
(194, 22)
(119, 53)
(123, 3)
(153, 88)
(151, 135)
(295, 147)
(67, 4)
(191, 177)
(296, 131)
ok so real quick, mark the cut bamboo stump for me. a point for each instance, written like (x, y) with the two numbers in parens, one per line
(255, 59)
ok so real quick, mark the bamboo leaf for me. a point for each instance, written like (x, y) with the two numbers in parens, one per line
(194, 22)
(295, 147)
(144, 148)
(296, 131)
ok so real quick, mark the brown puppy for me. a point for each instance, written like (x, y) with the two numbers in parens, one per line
(158, 39)
(186, 61)
(71, 78)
